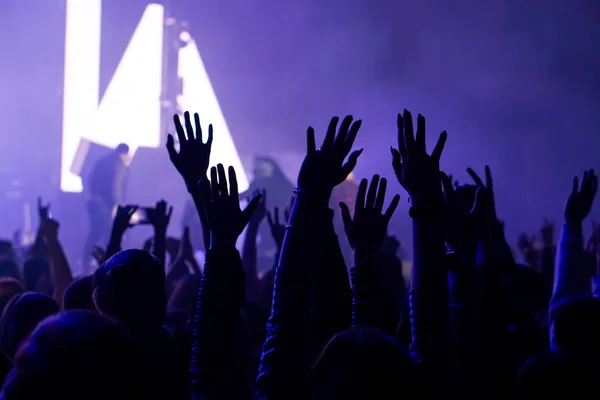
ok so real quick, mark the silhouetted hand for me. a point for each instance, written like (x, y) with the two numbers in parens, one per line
(194, 156)
(159, 217)
(43, 210)
(261, 209)
(486, 196)
(417, 172)
(459, 217)
(122, 219)
(225, 218)
(581, 199)
(368, 227)
(277, 227)
(50, 230)
(324, 168)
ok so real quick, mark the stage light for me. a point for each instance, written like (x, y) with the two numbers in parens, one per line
(198, 94)
(130, 110)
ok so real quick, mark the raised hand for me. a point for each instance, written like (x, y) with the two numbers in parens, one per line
(225, 218)
(581, 199)
(324, 168)
(50, 230)
(459, 216)
(159, 217)
(417, 171)
(277, 227)
(261, 209)
(487, 194)
(43, 210)
(122, 220)
(194, 155)
(369, 225)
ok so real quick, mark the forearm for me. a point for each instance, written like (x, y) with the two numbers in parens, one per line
(428, 296)
(59, 269)
(249, 261)
(570, 277)
(218, 355)
(282, 373)
(159, 248)
(368, 307)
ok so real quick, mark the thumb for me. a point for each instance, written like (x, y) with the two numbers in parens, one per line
(251, 207)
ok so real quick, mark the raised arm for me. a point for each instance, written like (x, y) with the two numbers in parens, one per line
(366, 231)
(219, 355)
(570, 275)
(192, 162)
(59, 265)
(284, 364)
(249, 257)
(159, 218)
(419, 174)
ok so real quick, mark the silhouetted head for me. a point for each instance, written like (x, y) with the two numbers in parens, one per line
(35, 271)
(9, 269)
(558, 375)
(525, 289)
(576, 325)
(363, 363)
(122, 151)
(21, 315)
(130, 287)
(78, 295)
(7, 252)
(9, 287)
(75, 355)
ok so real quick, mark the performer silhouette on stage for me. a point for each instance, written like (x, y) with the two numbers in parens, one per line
(106, 187)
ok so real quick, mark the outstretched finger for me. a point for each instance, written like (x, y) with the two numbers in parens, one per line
(276, 212)
(475, 177)
(449, 191)
(233, 184)
(251, 207)
(179, 130)
(489, 182)
(270, 220)
(330, 135)
(210, 136)
(311, 147)
(372, 193)
(170, 212)
(222, 180)
(401, 140)
(340, 138)
(346, 218)
(420, 138)
(396, 162)
(381, 195)
(189, 129)
(351, 163)
(392, 207)
(436, 154)
(409, 132)
(214, 182)
(352, 135)
(171, 148)
(360, 195)
(198, 127)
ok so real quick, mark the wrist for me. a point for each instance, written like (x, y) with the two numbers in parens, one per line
(217, 244)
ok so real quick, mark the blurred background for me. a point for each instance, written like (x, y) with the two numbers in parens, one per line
(514, 83)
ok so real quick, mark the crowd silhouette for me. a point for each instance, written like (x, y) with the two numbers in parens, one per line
(152, 323)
